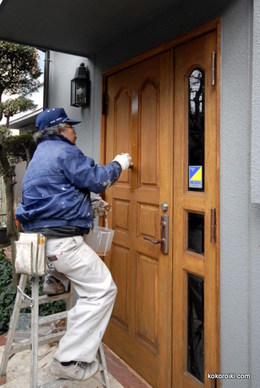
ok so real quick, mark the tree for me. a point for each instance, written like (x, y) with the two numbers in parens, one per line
(12, 106)
(19, 74)
(19, 70)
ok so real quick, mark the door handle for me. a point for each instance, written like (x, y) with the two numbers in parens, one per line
(161, 241)
(164, 240)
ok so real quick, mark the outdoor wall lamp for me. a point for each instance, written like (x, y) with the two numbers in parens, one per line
(80, 87)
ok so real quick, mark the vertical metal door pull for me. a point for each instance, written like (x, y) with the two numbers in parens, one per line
(213, 222)
(213, 68)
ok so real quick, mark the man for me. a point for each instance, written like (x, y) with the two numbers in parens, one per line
(56, 202)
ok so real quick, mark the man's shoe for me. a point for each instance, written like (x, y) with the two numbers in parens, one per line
(76, 371)
(52, 286)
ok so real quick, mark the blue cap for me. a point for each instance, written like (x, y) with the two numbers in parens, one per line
(53, 116)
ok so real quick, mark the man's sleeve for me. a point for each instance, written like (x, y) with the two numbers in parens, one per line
(82, 171)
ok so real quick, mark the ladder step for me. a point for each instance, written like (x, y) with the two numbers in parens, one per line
(53, 317)
(48, 299)
(26, 344)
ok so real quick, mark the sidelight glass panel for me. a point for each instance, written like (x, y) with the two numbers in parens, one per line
(196, 130)
(196, 233)
(195, 325)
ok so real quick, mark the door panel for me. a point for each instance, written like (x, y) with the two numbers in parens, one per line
(163, 111)
(138, 121)
(195, 287)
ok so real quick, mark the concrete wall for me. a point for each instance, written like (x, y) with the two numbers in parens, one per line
(239, 218)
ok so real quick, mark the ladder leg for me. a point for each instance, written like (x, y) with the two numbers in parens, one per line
(103, 366)
(34, 331)
(11, 331)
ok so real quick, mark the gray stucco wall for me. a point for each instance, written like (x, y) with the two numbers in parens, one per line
(62, 71)
(255, 142)
(239, 218)
(235, 193)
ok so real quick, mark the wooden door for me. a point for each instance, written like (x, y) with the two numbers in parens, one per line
(163, 111)
(195, 273)
(139, 121)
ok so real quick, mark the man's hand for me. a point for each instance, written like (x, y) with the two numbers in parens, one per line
(124, 160)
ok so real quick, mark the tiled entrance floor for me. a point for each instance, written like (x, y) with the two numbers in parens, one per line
(18, 371)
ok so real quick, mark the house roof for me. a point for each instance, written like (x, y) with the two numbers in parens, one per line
(84, 27)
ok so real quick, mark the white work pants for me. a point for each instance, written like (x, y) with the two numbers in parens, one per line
(88, 319)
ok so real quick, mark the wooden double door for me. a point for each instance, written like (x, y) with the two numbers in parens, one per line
(163, 111)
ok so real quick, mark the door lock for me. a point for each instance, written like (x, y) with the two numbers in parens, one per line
(164, 240)
(164, 207)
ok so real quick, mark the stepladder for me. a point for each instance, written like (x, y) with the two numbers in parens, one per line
(33, 301)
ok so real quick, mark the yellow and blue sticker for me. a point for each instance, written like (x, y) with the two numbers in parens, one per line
(195, 177)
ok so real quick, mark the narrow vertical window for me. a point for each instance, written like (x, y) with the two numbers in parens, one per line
(195, 233)
(196, 130)
(195, 325)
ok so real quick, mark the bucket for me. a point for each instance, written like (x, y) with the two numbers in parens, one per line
(100, 239)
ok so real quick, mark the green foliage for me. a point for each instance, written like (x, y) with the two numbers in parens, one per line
(19, 70)
(20, 104)
(19, 73)
(8, 293)
(17, 148)
(4, 132)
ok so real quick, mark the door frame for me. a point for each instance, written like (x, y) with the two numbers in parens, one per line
(213, 25)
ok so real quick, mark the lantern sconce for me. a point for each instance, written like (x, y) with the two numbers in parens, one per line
(80, 87)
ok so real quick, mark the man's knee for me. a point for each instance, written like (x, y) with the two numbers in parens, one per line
(113, 290)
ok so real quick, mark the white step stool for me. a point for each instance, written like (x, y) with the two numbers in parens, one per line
(22, 301)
